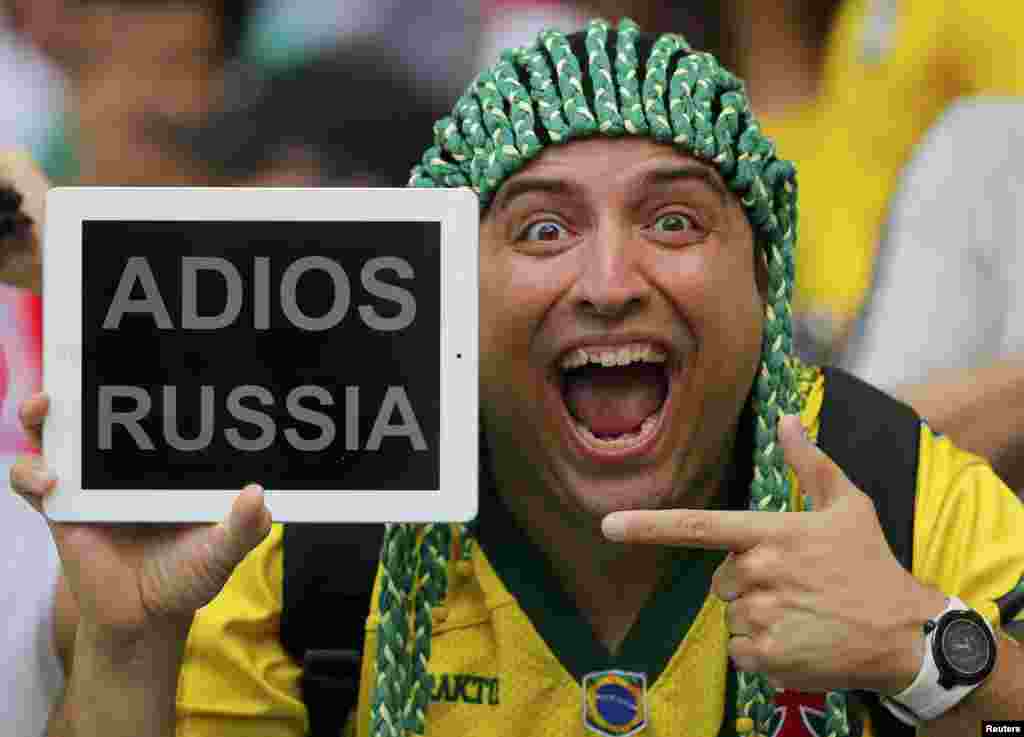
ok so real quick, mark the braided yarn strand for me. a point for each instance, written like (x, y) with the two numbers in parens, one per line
(626, 74)
(414, 580)
(432, 583)
(391, 686)
(679, 97)
(569, 79)
(609, 119)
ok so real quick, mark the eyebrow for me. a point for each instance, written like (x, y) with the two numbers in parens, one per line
(657, 177)
(673, 174)
(529, 185)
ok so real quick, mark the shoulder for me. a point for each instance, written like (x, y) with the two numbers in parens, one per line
(967, 529)
(849, 416)
(874, 439)
(950, 478)
(810, 389)
(945, 512)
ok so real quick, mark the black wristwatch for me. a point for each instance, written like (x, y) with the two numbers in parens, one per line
(960, 653)
(964, 648)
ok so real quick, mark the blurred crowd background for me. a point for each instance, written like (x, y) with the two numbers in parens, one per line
(901, 115)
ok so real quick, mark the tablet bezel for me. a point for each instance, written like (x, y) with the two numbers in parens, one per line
(457, 210)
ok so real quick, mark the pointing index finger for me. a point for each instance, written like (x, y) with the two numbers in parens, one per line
(695, 528)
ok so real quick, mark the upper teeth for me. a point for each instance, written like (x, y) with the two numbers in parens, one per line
(621, 356)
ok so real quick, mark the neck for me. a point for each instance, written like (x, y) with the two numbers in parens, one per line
(609, 582)
(778, 55)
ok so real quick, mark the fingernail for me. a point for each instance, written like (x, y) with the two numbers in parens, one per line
(614, 527)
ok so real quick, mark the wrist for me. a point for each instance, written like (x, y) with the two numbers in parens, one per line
(124, 649)
(959, 655)
(124, 686)
(901, 663)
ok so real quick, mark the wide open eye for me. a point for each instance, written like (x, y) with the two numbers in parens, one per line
(673, 222)
(544, 230)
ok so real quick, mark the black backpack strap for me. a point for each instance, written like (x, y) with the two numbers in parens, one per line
(329, 572)
(875, 439)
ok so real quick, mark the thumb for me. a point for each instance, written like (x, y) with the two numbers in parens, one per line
(192, 566)
(821, 480)
(245, 527)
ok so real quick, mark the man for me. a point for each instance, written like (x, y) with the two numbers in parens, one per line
(125, 61)
(635, 385)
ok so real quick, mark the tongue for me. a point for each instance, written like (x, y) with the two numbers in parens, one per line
(615, 400)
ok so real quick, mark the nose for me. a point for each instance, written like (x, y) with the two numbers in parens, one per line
(611, 284)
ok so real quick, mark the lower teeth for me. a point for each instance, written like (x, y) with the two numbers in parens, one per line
(622, 441)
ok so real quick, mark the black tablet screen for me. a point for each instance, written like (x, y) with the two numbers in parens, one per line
(299, 355)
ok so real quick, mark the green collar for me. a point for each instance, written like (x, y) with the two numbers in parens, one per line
(528, 575)
(663, 622)
(658, 632)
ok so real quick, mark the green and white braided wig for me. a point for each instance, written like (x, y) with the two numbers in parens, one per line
(553, 91)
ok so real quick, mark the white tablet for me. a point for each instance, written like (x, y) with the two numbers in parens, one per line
(319, 342)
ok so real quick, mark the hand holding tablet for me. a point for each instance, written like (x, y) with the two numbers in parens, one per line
(132, 582)
(322, 343)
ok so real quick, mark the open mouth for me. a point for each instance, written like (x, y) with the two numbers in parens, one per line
(616, 396)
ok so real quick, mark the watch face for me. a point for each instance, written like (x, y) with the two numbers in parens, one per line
(966, 647)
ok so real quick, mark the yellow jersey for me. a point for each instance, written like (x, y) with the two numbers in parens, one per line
(891, 67)
(511, 654)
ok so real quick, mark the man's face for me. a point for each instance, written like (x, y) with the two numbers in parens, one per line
(130, 65)
(620, 252)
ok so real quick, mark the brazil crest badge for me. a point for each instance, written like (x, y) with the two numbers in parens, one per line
(615, 702)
